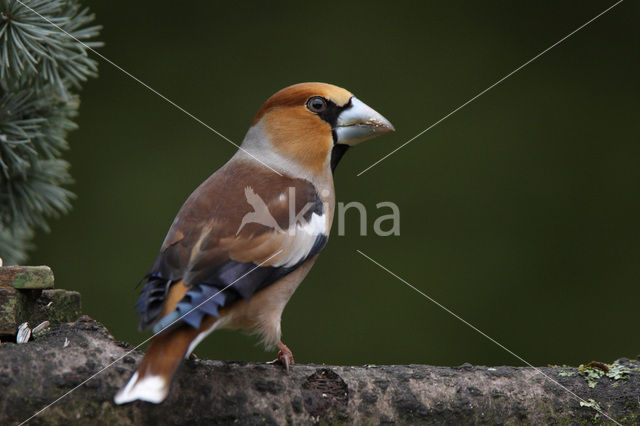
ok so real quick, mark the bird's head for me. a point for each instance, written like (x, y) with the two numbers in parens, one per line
(312, 125)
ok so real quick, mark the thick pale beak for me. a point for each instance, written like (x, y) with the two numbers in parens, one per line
(360, 122)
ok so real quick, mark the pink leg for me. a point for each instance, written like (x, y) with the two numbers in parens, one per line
(285, 356)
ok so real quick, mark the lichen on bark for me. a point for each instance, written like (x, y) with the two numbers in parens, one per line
(35, 374)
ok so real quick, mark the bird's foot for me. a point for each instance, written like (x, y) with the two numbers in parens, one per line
(285, 356)
(193, 356)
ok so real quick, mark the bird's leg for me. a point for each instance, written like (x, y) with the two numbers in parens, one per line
(285, 356)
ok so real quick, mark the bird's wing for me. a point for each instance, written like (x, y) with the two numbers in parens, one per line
(203, 252)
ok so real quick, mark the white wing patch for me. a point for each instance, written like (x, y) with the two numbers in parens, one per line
(300, 240)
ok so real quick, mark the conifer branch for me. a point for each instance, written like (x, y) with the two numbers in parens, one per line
(41, 70)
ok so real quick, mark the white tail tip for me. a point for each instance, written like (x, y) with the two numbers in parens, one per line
(149, 388)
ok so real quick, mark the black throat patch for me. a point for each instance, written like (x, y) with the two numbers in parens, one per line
(337, 152)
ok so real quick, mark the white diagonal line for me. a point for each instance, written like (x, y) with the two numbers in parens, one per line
(151, 89)
(491, 87)
(449, 311)
(146, 340)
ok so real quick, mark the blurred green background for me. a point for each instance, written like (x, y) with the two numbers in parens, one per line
(520, 212)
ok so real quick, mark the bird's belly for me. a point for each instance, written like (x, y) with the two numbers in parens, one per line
(261, 314)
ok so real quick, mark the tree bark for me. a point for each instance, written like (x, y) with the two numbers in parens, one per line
(35, 374)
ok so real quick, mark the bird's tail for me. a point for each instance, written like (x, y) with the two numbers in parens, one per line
(166, 351)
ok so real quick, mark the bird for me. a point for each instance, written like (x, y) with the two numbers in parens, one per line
(245, 239)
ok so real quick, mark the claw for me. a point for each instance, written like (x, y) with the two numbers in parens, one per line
(285, 357)
(284, 360)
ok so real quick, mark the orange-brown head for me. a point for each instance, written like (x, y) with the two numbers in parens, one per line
(312, 124)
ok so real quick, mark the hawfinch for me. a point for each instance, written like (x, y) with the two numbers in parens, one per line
(246, 237)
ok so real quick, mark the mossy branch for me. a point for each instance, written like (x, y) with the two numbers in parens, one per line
(33, 375)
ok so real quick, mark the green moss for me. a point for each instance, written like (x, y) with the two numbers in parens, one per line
(41, 333)
(55, 306)
(591, 374)
(28, 277)
(9, 306)
(631, 419)
(618, 371)
(591, 403)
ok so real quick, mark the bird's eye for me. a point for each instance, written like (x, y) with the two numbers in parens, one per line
(317, 104)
